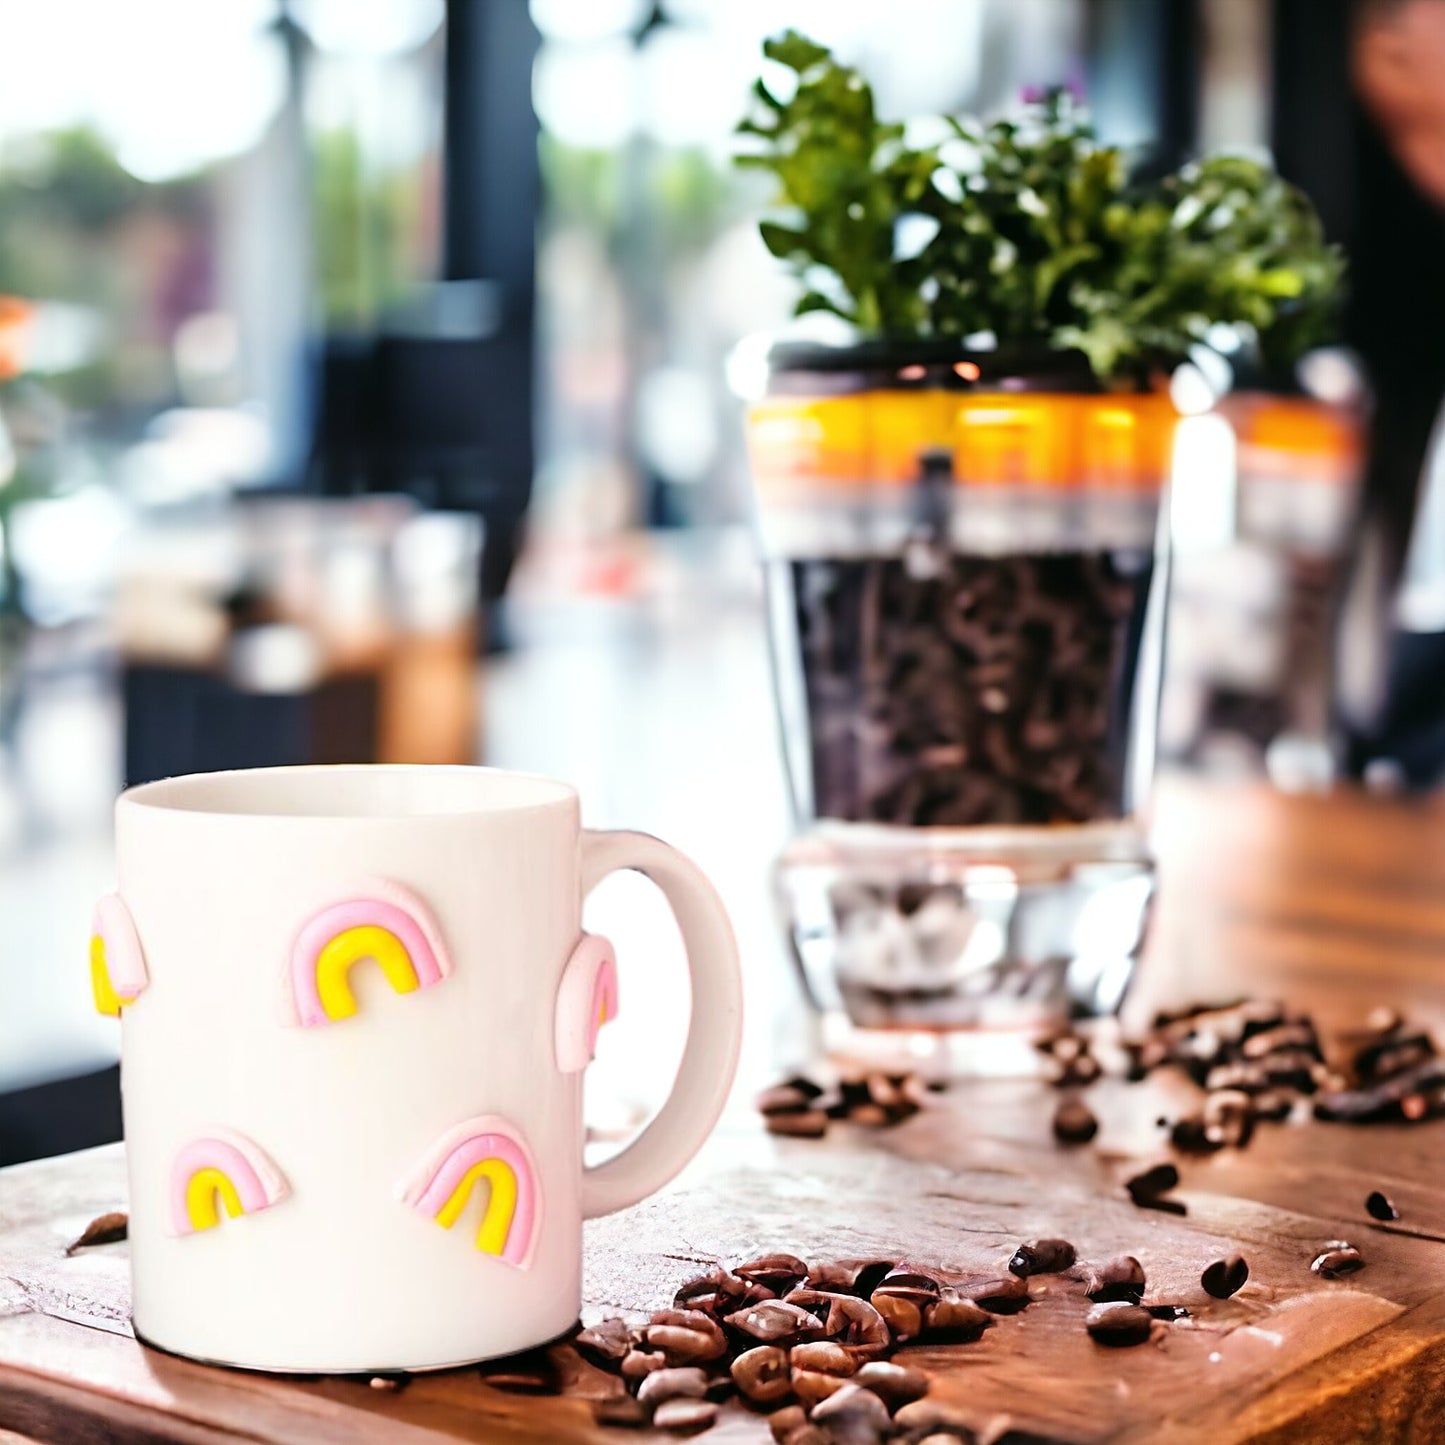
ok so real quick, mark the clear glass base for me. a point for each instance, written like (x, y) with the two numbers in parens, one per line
(931, 930)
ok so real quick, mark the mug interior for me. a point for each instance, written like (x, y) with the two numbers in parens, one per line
(352, 791)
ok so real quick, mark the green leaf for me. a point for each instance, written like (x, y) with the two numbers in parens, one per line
(780, 240)
(796, 51)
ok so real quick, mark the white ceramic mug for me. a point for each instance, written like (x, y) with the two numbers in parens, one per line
(356, 1007)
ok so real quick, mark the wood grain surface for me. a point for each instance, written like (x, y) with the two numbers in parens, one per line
(1335, 904)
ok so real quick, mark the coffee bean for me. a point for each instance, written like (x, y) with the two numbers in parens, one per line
(718, 1292)
(824, 1356)
(1121, 1278)
(853, 1414)
(686, 1382)
(783, 1422)
(684, 1346)
(1190, 1136)
(1119, 1325)
(1006, 1296)
(1080, 1071)
(1041, 1256)
(808, 1124)
(1379, 1206)
(776, 1322)
(685, 1417)
(779, 1272)
(389, 1384)
(1274, 1105)
(933, 1414)
(1167, 1312)
(638, 1364)
(809, 1434)
(1387, 1099)
(955, 1318)
(870, 1116)
(762, 1374)
(895, 1385)
(1336, 1260)
(1074, 1122)
(109, 1228)
(1388, 1057)
(784, 1099)
(812, 1387)
(620, 1412)
(1296, 1034)
(909, 1284)
(605, 1343)
(903, 1316)
(1148, 1188)
(850, 1276)
(533, 1372)
(1225, 1277)
(848, 1320)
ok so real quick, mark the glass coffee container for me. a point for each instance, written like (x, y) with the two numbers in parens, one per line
(966, 582)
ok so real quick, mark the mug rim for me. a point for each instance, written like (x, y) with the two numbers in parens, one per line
(347, 792)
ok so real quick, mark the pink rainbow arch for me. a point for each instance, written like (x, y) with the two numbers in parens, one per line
(381, 920)
(488, 1148)
(118, 974)
(221, 1169)
(587, 998)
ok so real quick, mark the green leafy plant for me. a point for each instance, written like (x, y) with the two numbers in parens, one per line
(1028, 228)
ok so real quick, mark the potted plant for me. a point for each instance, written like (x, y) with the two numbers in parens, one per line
(959, 512)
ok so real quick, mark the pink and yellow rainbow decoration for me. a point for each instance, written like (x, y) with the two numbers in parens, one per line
(221, 1170)
(118, 973)
(384, 922)
(487, 1150)
(586, 999)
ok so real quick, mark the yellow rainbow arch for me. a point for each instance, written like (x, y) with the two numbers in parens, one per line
(206, 1193)
(333, 965)
(501, 1179)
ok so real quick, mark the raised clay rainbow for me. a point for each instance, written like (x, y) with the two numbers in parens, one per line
(485, 1149)
(381, 921)
(222, 1169)
(118, 973)
(586, 999)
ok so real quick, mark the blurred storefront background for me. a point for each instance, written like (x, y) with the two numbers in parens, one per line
(342, 340)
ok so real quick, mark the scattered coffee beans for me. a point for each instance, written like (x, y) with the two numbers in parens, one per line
(1115, 1279)
(802, 1108)
(1041, 1256)
(106, 1229)
(620, 1411)
(1336, 1259)
(1074, 1122)
(895, 1385)
(1148, 1189)
(685, 1417)
(761, 1375)
(852, 1410)
(1225, 1277)
(951, 1317)
(1006, 1296)
(1119, 1324)
(1380, 1206)
(605, 1343)
(687, 1382)
(776, 1322)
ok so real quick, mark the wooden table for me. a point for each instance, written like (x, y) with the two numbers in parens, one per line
(1333, 903)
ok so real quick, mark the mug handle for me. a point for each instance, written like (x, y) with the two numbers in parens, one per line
(714, 1034)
